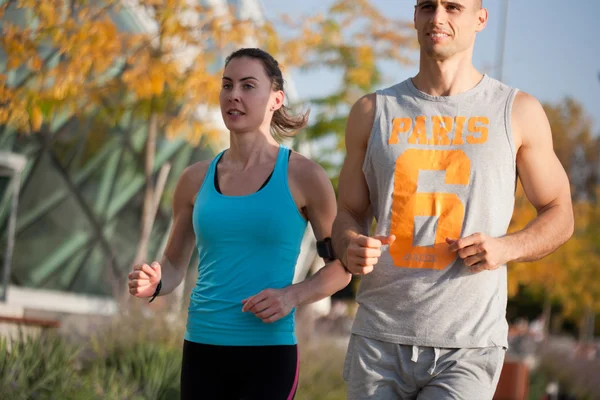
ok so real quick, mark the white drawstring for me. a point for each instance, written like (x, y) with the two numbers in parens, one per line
(415, 354)
(436, 355)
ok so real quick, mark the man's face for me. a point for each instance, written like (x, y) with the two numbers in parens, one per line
(448, 27)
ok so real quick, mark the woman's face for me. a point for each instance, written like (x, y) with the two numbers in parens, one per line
(247, 99)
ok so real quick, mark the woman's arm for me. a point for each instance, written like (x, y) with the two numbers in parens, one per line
(144, 278)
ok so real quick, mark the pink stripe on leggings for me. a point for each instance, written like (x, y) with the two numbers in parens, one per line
(295, 385)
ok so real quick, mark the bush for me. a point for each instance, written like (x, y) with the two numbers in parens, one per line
(137, 358)
(141, 356)
(42, 367)
(136, 371)
(132, 359)
(102, 382)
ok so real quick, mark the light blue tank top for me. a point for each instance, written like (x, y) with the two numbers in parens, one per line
(245, 244)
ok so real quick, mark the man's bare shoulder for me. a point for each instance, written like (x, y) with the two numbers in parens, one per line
(366, 104)
(529, 121)
(360, 120)
(363, 110)
(525, 102)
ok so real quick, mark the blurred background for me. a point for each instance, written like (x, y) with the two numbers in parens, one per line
(104, 103)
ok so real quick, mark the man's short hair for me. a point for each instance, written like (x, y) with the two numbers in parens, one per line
(479, 1)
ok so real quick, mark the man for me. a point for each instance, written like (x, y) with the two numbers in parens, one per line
(435, 160)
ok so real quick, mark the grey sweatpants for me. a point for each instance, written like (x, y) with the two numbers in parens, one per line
(386, 371)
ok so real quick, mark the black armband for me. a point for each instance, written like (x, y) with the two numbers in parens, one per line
(157, 291)
(325, 249)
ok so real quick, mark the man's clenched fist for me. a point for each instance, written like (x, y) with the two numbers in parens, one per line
(363, 252)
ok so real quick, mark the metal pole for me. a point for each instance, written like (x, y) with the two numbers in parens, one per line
(14, 163)
(10, 240)
(502, 37)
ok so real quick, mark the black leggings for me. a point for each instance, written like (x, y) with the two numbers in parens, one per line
(238, 372)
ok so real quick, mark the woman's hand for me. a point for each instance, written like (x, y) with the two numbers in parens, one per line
(270, 305)
(144, 279)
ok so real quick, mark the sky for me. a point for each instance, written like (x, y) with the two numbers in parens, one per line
(552, 48)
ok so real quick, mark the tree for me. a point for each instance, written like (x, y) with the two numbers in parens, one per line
(570, 274)
(575, 145)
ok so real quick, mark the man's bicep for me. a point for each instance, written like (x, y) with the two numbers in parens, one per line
(543, 177)
(353, 192)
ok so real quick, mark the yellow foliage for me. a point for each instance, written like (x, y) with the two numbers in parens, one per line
(365, 55)
(570, 274)
(195, 134)
(36, 119)
(360, 76)
(76, 59)
(35, 63)
(172, 129)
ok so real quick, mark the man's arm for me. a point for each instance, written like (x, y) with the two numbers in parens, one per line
(546, 186)
(545, 183)
(319, 197)
(353, 194)
(354, 248)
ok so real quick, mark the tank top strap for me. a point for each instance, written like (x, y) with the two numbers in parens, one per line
(210, 174)
(280, 171)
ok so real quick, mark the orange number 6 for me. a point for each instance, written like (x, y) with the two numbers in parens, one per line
(408, 203)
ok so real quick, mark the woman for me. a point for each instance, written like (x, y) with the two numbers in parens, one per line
(246, 211)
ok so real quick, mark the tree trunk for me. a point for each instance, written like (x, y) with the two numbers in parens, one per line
(147, 219)
(547, 316)
(592, 326)
(152, 193)
(586, 333)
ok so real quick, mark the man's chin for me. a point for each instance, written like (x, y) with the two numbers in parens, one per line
(438, 54)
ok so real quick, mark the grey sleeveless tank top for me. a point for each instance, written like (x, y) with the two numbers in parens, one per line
(438, 167)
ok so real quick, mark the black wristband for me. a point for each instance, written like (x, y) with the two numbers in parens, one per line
(157, 291)
(325, 249)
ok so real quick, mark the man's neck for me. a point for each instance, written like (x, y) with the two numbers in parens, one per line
(446, 78)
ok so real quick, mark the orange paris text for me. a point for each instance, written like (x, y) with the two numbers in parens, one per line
(440, 130)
